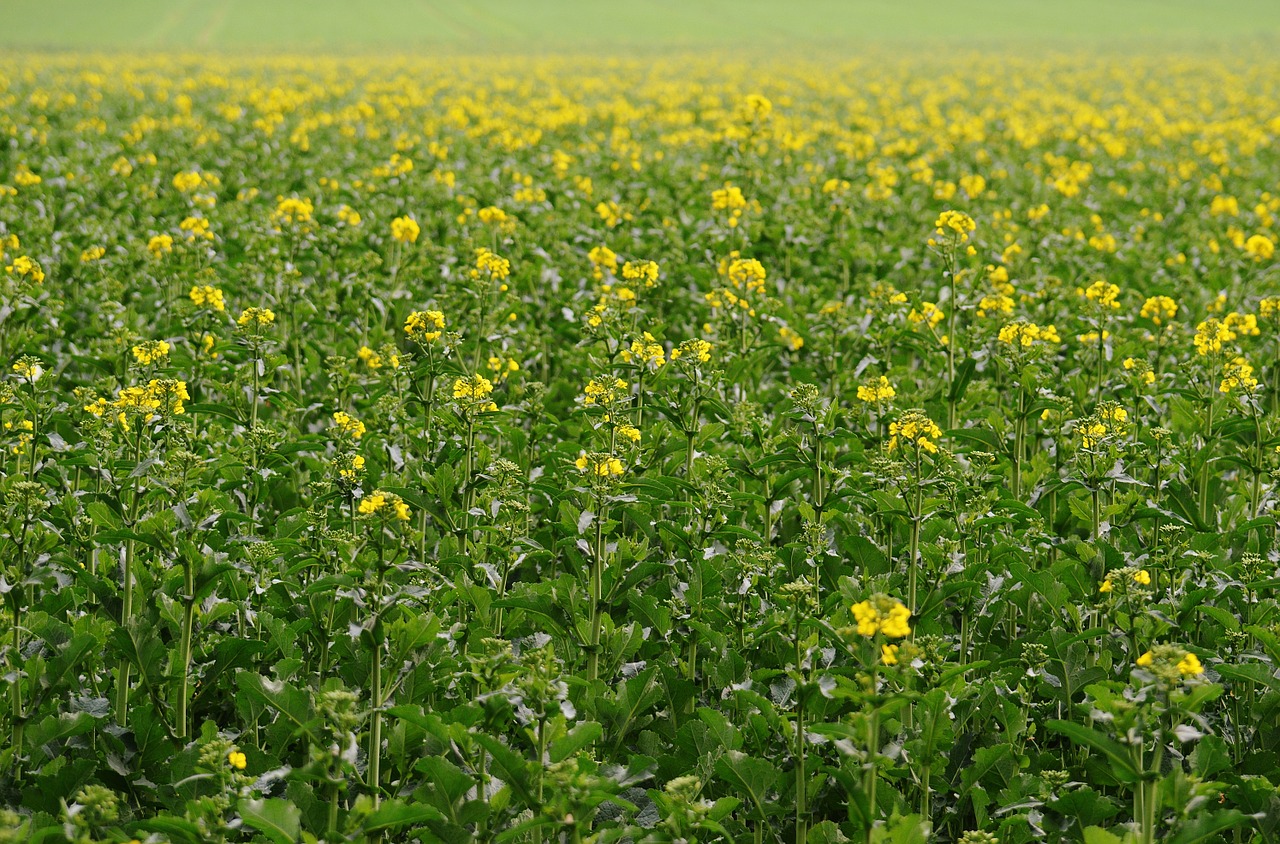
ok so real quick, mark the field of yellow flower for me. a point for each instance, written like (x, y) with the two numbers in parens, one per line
(640, 450)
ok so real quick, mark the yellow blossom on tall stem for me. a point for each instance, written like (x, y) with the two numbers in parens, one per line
(882, 614)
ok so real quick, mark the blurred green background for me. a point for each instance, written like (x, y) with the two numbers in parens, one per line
(533, 26)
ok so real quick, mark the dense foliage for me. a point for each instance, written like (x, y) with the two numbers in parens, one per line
(677, 450)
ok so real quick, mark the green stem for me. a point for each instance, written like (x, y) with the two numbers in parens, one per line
(913, 559)
(126, 612)
(596, 588)
(375, 687)
(16, 722)
(802, 790)
(188, 621)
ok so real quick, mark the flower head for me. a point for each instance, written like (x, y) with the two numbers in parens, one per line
(1159, 309)
(955, 224)
(424, 326)
(150, 352)
(405, 229)
(599, 466)
(207, 296)
(1260, 248)
(882, 614)
(252, 318)
(26, 270)
(347, 425)
(915, 427)
(28, 368)
(876, 390)
(381, 502)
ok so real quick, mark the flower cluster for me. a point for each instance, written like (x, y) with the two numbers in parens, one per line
(876, 391)
(916, 428)
(149, 403)
(882, 614)
(347, 425)
(1026, 335)
(424, 326)
(207, 296)
(383, 502)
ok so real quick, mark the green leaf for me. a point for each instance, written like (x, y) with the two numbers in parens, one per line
(58, 727)
(749, 776)
(1207, 826)
(394, 814)
(964, 375)
(1116, 753)
(1086, 805)
(571, 742)
(1097, 835)
(998, 759)
(279, 820)
(293, 704)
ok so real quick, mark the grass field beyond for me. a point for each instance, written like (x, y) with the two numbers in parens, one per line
(515, 25)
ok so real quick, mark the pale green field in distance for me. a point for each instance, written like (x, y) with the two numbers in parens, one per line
(525, 26)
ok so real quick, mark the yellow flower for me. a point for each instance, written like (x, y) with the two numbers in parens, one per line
(1237, 374)
(1027, 335)
(196, 228)
(697, 350)
(1142, 577)
(791, 339)
(259, 317)
(378, 500)
(492, 215)
(207, 296)
(645, 352)
(1190, 666)
(349, 469)
(646, 271)
(25, 269)
(954, 224)
(161, 244)
(728, 198)
(237, 760)
(610, 213)
(28, 368)
(188, 181)
(927, 313)
(93, 253)
(602, 258)
(882, 614)
(472, 388)
(876, 390)
(1211, 334)
(603, 391)
(491, 264)
(747, 274)
(1260, 248)
(372, 503)
(150, 352)
(348, 216)
(1106, 586)
(916, 428)
(348, 425)
(599, 466)
(424, 326)
(1104, 293)
(405, 229)
(1146, 660)
(889, 654)
(292, 210)
(1159, 309)
(756, 107)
